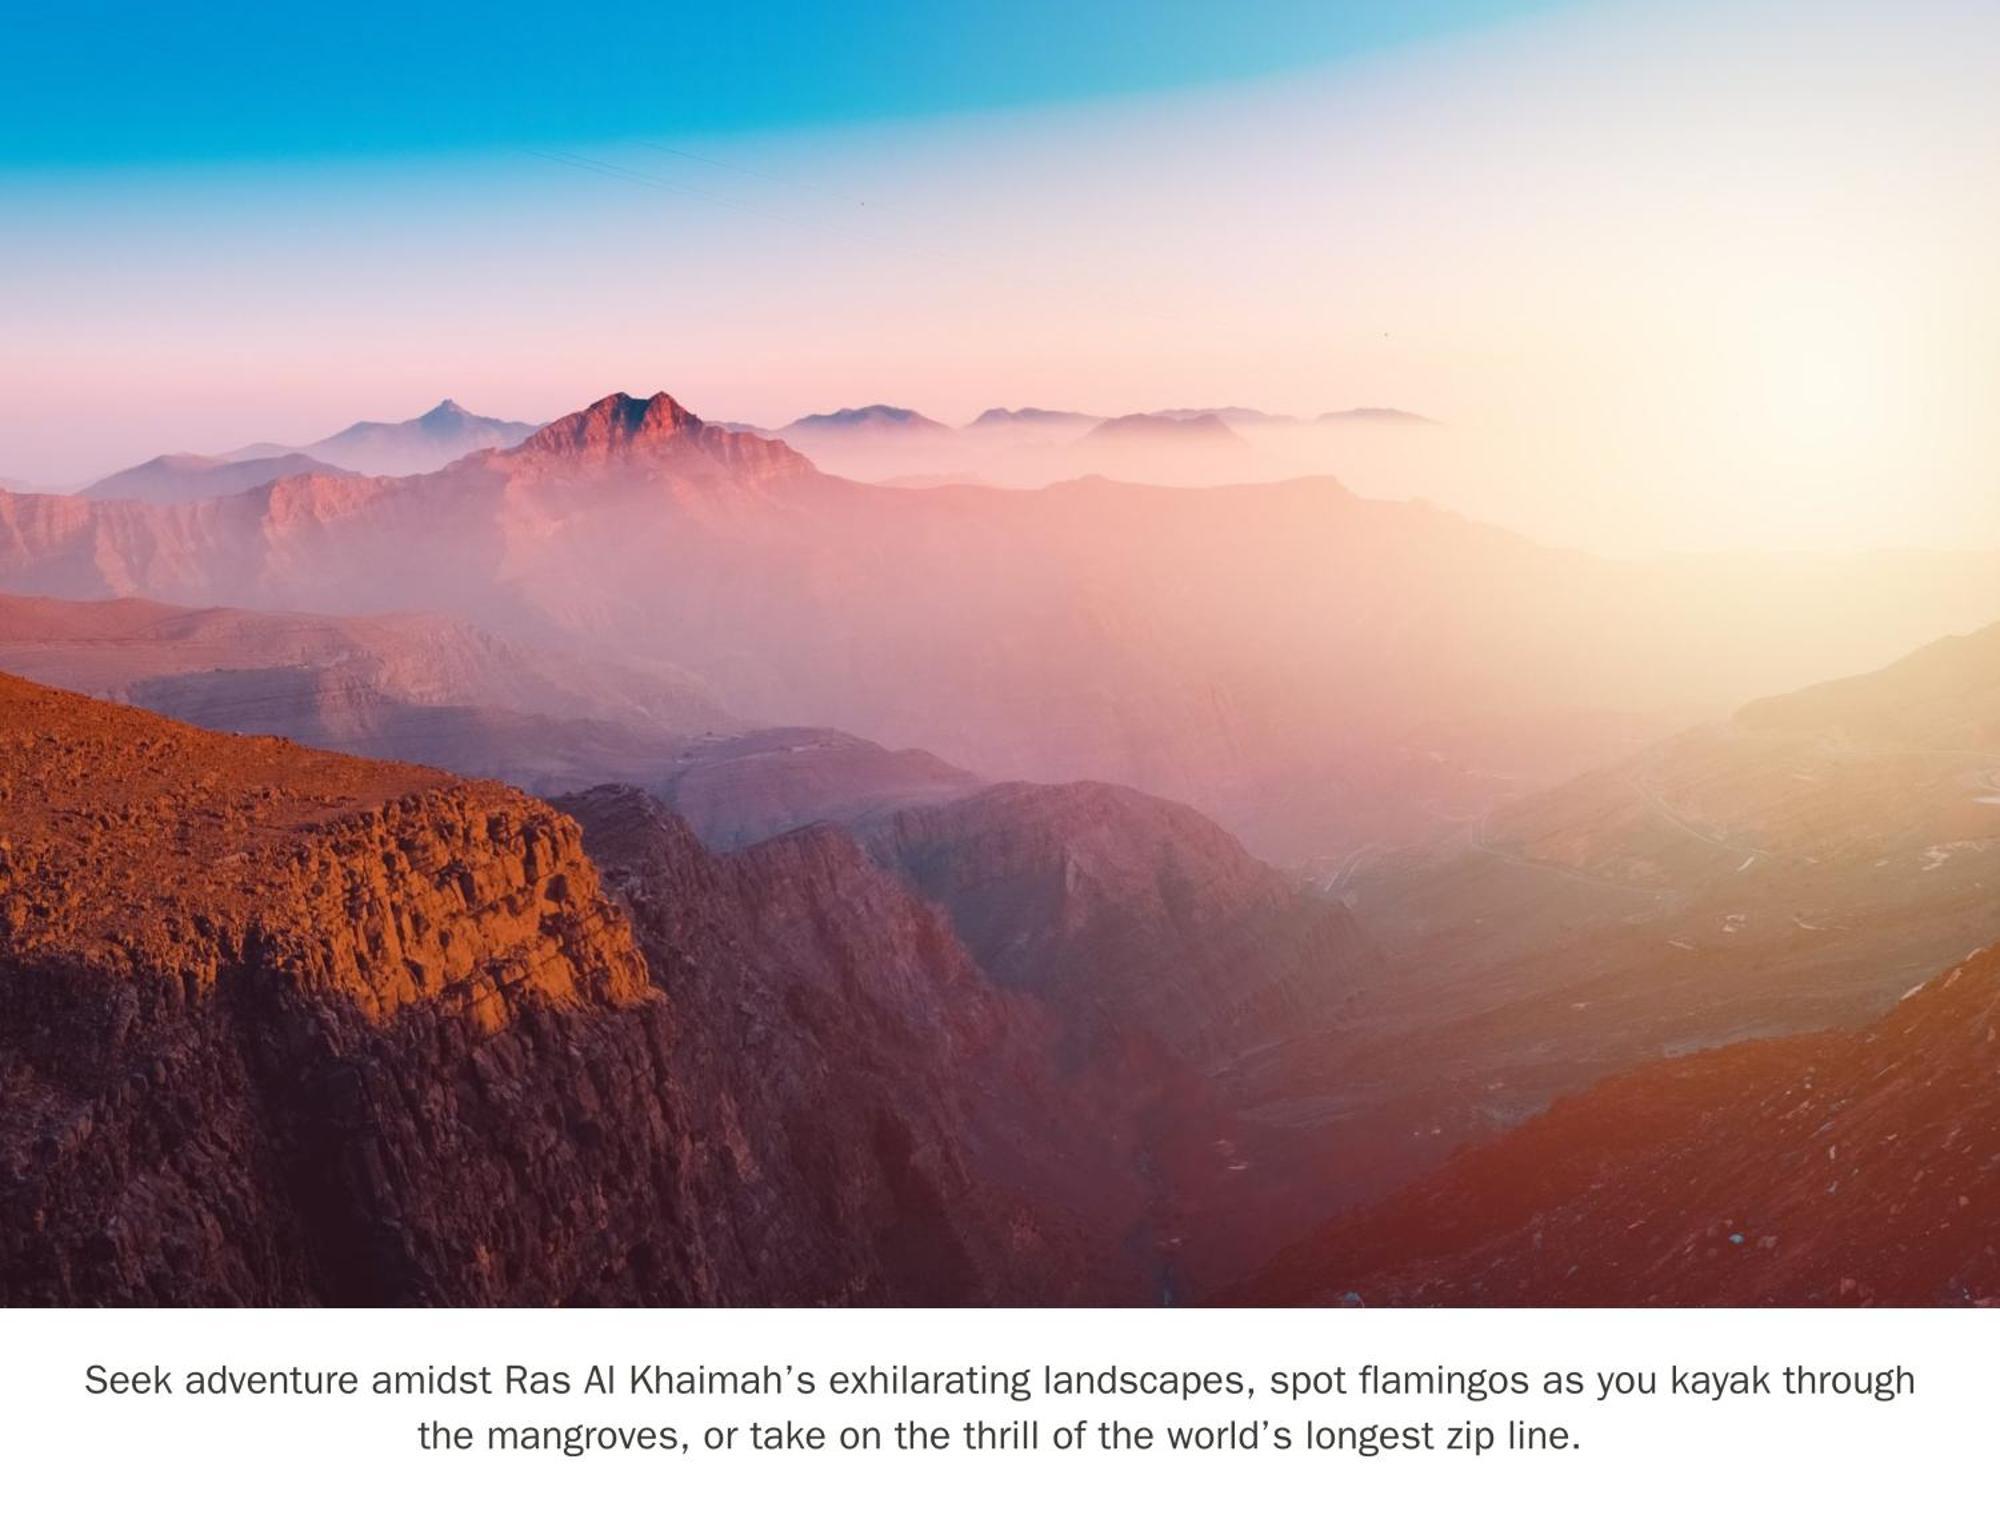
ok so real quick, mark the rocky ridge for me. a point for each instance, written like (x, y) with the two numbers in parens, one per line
(284, 1027)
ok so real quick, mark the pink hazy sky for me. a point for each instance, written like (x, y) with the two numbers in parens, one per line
(1680, 275)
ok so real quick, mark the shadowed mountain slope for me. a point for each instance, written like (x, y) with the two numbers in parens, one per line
(1111, 903)
(1791, 869)
(1857, 1167)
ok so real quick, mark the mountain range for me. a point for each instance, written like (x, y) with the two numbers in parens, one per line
(1318, 671)
(425, 688)
(849, 438)
(1557, 1004)
(293, 1027)
(441, 435)
(1034, 446)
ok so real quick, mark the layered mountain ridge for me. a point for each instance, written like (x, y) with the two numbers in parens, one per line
(1791, 869)
(1086, 630)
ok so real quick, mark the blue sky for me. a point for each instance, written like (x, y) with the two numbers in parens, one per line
(94, 83)
(1693, 271)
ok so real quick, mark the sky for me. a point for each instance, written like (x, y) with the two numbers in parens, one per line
(1681, 275)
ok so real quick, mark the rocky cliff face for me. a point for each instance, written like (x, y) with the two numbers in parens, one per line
(282, 1027)
(1178, 971)
(882, 1124)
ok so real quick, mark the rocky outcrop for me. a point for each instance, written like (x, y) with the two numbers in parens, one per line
(658, 434)
(282, 1027)
(882, 1124)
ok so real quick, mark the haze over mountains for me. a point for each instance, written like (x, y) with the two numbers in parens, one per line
(1795, 868)
(1032, 446)
(439, 436)
(1318, 671)
(943, 817)
(999, 446)
(425, 688)
(115, 648)
(178, 477)
(1189, 1055)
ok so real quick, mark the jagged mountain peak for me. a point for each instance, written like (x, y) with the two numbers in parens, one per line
(616, 423)
(622, 428)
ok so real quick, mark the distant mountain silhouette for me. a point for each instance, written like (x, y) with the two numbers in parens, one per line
(1316, 670)
(1202, 429)
(1031, 416)
(877, 418)
(441, 435)
(176, 478)
(1377, 413)
(1229, 415)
